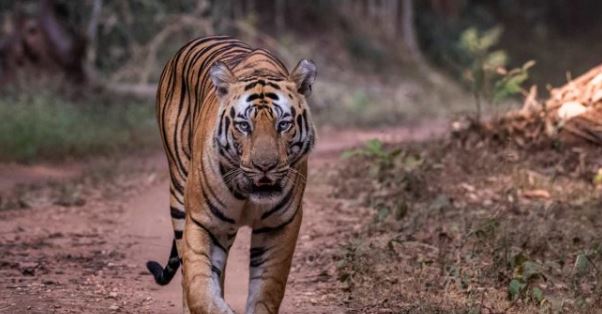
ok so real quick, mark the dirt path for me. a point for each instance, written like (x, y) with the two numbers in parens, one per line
(91, 258)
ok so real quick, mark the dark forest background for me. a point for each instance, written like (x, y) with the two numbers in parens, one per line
(118, 39)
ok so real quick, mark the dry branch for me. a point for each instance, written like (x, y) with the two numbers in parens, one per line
(148, 52)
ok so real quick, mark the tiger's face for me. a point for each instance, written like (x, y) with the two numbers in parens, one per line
(264, 128)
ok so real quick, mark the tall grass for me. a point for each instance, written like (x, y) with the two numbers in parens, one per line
(48, 126)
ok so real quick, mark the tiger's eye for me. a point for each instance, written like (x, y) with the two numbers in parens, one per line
(243, 126)
(284, 125)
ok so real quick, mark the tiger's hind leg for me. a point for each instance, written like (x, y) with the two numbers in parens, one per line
(271, 255)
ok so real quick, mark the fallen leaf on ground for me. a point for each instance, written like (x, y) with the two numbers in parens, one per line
(536, 194)
(598, 178)
(467, 187)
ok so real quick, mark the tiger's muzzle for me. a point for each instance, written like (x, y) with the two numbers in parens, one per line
(267, 179)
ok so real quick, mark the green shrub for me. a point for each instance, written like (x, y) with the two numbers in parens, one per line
(485, 68)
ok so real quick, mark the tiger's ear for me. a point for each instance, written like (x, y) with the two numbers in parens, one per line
(222, 77)
(304, 76)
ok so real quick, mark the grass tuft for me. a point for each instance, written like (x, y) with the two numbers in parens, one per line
(48, 126)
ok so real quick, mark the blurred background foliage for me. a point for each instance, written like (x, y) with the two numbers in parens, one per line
(379, 60)
(120, 34)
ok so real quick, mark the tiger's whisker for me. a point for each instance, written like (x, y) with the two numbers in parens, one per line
(298, 174)
(231, 176)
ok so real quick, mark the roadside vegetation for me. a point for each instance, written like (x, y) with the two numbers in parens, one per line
(501, 216)
(47, 125)
(472, 225)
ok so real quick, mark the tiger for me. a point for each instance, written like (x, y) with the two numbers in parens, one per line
(237, 132)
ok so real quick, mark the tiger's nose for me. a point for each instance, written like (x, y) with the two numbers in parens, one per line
(265, 165)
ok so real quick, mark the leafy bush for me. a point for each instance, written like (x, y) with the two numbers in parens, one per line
(48, 126)
(485, 71)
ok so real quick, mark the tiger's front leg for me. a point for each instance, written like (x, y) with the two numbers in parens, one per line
(272, 251)
(204, 262)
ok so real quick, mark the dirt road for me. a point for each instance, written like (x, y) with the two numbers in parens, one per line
(90, 257)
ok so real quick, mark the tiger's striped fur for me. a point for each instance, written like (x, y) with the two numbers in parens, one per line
(237, 131)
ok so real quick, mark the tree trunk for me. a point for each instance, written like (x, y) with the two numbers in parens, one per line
(250, 7)
(91, 37)
(407, 29)
(280, 11)
(393, 18)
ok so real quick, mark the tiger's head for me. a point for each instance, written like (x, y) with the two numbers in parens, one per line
(264, 127)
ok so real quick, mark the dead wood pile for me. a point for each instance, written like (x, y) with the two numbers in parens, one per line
(572, 114)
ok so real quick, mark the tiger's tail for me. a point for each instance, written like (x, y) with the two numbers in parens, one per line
(164, 275)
